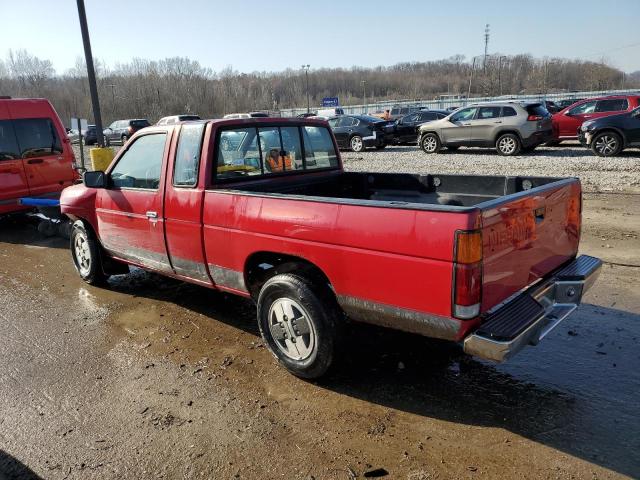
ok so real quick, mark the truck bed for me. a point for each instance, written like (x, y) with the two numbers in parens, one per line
(430, 192)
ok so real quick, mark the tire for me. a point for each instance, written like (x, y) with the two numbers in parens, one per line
(356, 144)
(606, 144)
(453, 149)
(508, 144)
(124, 139)
(107, 142)
(85, 252)
(430, 143)
(380, 147)
(312, 353)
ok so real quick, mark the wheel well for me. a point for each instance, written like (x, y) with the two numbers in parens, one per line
(261, 266)
(611, 130)
(504, 132)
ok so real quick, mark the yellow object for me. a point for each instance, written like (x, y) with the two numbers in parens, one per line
(101, 158)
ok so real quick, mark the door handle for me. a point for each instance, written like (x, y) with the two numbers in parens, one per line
(465, 124)
(34, 161)
(151, 215)
(497, 122)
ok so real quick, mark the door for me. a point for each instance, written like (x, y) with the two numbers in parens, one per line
(572, 120)
(343, 130)
(485, 125)
(13, 180)
(632, 127)
(46, 167)
(406, 128)
(110, 131)
(130, 211)
(458, 128)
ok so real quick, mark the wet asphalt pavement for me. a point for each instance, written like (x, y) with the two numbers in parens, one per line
(153, 378)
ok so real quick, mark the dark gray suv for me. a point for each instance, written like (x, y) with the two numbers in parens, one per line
(508, 127)
(121, 130)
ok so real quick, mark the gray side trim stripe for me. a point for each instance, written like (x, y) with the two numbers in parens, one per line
(399, 318)
(227, 278)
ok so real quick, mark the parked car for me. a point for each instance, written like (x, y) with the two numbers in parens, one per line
(122, 130)
(406, 128)
(509, 127)
(608, 136)
(358, 132)
(399, 112)
(551, 107)
(246, 115)
(177, 119)
(330, 112)
(36, 159)
(487, 262)
(90, 135)
(307, 115)
(567, 102)
(567, 122)
(73, 135)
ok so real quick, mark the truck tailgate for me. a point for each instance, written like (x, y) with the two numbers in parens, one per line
(526, 236)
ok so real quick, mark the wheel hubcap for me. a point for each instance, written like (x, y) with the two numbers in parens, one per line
(356, 144)
(606, 144)
(429, 144)
(507, 145)
(82, 254)
(292, 329)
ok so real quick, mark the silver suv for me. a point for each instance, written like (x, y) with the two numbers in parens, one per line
(508, 127)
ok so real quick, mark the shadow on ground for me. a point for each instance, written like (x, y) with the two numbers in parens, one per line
(576, 392)
(13, 469)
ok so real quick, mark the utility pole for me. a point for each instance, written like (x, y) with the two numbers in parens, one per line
(500, 73)
(364, 95)
(486, 48)
(306, 72)
(473, 67)
(91, 74)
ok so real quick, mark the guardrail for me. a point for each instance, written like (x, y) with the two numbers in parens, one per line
(444, 103)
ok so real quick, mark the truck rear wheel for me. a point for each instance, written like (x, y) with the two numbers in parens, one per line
(298, 321)
(85, 252)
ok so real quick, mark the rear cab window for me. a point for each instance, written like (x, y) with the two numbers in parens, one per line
(262, 151)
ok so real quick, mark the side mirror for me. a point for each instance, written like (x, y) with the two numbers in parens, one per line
(95, 179)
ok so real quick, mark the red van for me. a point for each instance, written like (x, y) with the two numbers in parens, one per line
(36, 158)
(566, 122)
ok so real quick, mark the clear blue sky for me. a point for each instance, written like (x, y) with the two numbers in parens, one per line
(271, 35)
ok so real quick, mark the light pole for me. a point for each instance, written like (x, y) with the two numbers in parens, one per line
(91, 74)
(500, 73)
(306, 73)
(473, 67)
(364, 95)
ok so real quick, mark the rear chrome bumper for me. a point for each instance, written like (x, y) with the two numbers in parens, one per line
(554, 300)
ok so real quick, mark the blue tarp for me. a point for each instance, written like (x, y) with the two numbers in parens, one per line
(40, 202)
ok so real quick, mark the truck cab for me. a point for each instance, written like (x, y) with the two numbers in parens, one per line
(262, 208)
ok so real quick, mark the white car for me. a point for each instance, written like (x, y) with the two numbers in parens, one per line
(173, 119)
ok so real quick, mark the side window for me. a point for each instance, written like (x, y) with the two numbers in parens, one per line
(141, 164)
(613, 105)
(36, 137)
(485, 113)
(291, 147)
(509, 112)
(238, 153)
(410, 118)
(333, 123)
(185, 173)
(318, 148)
(345, 122)
(9, 149)
(587, 107)
(464, 114)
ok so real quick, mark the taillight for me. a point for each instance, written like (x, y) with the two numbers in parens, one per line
(534, 118)
(467, 274)
(130, 129)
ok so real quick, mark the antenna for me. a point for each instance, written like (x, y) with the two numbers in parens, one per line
(486, 46)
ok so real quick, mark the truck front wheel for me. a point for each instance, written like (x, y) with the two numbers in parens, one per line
(298, 321)
(85, 252)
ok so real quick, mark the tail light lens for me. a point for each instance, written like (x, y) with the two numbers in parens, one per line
(534, 118)
(574, 212)
(467, 274)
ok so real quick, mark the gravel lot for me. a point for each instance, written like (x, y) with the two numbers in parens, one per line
(619, 174)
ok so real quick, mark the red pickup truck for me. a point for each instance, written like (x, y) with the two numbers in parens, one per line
(36, 159)
(262, 208)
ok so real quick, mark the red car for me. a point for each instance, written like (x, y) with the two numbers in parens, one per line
(568, 121)
(263, 209)
(36, 159)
